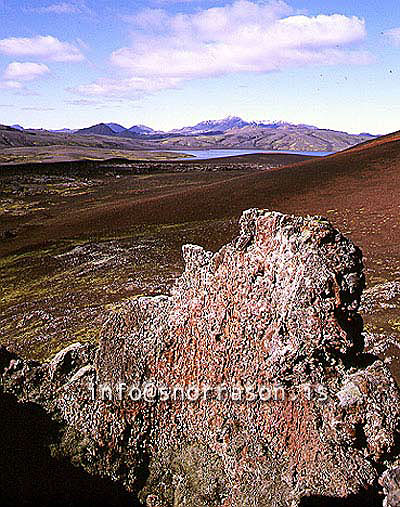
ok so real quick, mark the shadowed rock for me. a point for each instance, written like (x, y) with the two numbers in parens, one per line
(258, 392)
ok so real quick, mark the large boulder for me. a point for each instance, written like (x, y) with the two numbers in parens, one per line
(247, 386)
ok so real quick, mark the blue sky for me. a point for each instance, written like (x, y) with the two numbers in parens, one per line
(166, 64)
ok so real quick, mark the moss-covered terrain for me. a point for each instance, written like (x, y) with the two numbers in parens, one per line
(57, 295)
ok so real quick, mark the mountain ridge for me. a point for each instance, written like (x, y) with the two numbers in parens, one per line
(229, 133)
(234, 132)
(218, 125)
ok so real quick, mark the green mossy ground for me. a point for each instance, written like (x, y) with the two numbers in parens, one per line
(57, 295)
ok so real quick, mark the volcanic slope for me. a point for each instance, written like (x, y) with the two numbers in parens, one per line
(357, 190)
(365, 177)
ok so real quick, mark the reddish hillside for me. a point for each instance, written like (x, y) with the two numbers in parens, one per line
(394, 136)
(366, 176)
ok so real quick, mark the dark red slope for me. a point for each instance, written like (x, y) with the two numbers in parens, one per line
(367, 176)
(371, 172)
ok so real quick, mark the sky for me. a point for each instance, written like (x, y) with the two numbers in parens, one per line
(167, 64)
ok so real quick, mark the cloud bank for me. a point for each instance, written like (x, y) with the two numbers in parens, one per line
(27, 71)
(240, 37)
(45, 47)
(126, 87)
(10, 85)
(60, 8)
(18, 74)
(72, 7)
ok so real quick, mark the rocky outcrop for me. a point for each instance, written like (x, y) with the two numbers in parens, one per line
(247, 386)
(390, 481)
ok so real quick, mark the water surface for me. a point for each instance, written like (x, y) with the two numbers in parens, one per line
(207, 154)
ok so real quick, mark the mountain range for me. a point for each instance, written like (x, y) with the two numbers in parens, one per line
(227, 133)
(234, 132)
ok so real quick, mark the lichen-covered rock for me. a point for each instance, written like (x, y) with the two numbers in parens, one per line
(390, 482)
(247, 386)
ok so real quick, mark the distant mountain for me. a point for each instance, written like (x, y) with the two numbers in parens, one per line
(229, 133)
(116, 127)
(141, 129)
(223, 125)
(233, 132)
(275, 124)
(17, 127)
(141, 132)
(368, 134)
(64, 131)
(233, 122)
(100, 129)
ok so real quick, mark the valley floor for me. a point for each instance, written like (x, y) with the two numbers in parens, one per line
(75, 246)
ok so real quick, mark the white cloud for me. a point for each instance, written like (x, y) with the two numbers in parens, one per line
(125, 87)
(82, 102)
(394, 36)
(244, 36)
(73, 7)
(25, 92)
(10, 85)
(61, 8)
(26, 71)
(46, 47)
(38, 109)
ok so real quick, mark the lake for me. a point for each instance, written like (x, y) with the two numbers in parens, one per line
(207, 154)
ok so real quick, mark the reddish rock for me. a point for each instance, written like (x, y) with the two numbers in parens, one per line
(274, 312)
